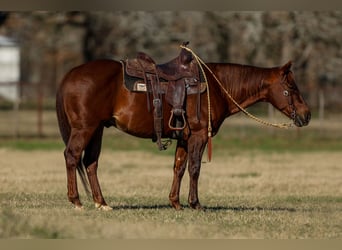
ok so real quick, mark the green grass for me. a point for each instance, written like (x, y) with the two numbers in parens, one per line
(231, 138)
(237, 133)
(256, 137)
(33, 144)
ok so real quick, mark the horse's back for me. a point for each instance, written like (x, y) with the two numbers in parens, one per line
(98, 71)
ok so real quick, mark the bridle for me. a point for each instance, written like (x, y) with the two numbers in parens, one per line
(288, 93)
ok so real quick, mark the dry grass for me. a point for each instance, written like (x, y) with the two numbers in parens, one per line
(262, 183)
(251, 194)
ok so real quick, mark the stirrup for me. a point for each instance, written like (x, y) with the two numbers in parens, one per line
(175, 128)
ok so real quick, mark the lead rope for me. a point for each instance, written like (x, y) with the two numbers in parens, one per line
(209, 145)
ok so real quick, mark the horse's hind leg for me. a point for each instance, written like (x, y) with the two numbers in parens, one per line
(78, 140)
(90, 161)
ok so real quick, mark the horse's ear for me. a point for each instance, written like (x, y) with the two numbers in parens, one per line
(286, 68)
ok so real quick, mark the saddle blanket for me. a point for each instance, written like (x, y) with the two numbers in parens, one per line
(136, 84)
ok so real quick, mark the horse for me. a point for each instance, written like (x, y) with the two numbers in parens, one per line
(92, 96)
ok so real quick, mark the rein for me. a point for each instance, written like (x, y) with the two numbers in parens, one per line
(200, 61)
(288, 93)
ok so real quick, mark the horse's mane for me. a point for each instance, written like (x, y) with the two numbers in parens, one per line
(243, 80)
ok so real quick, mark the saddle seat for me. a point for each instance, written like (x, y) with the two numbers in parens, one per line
(180, 67)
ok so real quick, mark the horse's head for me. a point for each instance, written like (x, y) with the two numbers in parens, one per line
(285, 96)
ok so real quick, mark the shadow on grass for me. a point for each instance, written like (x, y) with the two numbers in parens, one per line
(205, 208)
(140, 207)
(245, 208)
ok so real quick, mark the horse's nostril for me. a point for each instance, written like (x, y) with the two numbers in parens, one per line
(308, 116)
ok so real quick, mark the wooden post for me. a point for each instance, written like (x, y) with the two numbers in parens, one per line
(16, 112)
(40, 110)
(321, 103)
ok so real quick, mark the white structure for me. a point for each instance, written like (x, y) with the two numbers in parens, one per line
(9, 69)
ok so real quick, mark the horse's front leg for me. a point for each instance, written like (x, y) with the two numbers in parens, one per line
(178, 172)
(196, 146)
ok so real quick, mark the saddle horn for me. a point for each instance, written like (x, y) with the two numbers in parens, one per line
(185, 56)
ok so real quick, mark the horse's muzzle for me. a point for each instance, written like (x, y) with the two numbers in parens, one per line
(302, 120)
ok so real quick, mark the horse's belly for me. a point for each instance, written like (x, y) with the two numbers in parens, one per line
(137, 124)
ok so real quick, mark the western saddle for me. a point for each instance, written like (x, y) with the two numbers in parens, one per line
(174, 80)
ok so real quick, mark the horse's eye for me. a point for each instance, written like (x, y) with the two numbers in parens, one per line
(286, 93)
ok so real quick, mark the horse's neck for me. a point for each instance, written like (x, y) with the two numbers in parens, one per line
(244, 84)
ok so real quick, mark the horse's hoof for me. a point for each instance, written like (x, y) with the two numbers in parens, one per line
(178, 208)
(176, 205)
(103, 207)
(79, 208)
(197, 206)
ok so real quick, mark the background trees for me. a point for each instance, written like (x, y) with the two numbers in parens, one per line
(53, 42)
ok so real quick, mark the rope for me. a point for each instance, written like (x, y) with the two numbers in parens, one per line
(208, 95)
(200, 61)
(209, 145)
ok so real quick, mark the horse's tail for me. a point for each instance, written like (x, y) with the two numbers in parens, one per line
(63, 124)
(65, 130)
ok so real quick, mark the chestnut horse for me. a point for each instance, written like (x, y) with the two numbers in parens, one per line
(93, 96)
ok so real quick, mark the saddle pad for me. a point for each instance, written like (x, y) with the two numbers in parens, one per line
(140, 86)
(136, 84)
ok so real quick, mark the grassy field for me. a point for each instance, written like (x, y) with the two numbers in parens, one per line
(262, 183)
